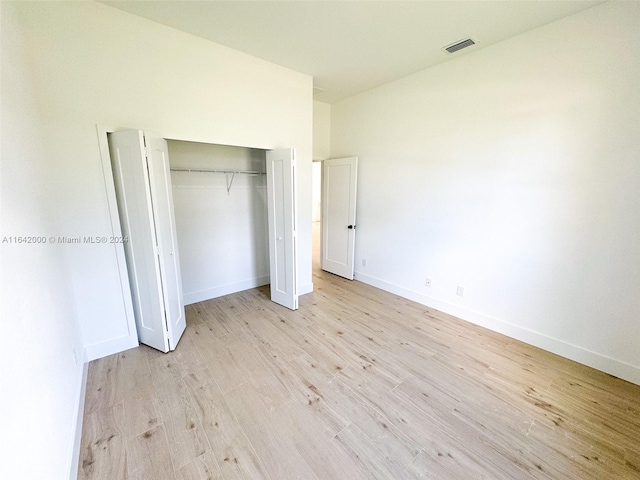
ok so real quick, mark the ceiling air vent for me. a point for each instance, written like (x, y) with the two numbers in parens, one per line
(454, 47)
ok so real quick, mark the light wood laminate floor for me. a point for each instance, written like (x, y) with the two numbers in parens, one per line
(356, 384)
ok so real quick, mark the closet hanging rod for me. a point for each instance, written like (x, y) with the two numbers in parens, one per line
(204, 170)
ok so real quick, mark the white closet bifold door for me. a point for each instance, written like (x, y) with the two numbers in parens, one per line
(142, 179)
(281, 208)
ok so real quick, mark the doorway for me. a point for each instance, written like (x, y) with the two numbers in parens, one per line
(220, 201)
(337, 226)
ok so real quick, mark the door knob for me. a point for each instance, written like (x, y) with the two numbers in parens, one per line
(351, 227)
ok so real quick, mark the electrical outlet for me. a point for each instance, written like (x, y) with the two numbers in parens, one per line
(460, 291)
(364, 262)
(428, 283)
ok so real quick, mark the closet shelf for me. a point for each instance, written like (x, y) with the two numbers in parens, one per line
(226, 172)
(204, 170)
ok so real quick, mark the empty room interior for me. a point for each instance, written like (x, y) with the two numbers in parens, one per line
(320, 239)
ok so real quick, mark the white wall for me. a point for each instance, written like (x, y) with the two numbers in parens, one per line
(321, 151)
(94, 64)
(316, 179)
(222, 237)
(513, 172)
(41, 380)
(321, 130)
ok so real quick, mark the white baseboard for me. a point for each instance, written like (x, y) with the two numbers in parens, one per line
(75, 457)
(115, 345)
(208, 294)
(306, 288)
(579, 354)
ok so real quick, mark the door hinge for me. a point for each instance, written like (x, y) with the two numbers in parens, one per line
(166, 331)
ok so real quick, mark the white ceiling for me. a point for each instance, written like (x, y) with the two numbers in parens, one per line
(352, 46)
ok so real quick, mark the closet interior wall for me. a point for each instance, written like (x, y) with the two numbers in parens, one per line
(222, 232)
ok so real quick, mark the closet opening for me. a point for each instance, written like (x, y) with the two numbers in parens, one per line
(220, 205)
(201, 221)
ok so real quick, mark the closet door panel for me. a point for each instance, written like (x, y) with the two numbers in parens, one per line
(281, 209)
(165, 225)
(133, 194)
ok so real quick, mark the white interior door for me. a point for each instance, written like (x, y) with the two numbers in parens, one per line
(281, 207)
(131, 178)
(339, 182)
(165, 225)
